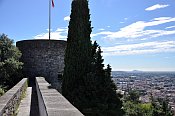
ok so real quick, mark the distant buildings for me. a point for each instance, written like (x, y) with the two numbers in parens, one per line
(157, 84)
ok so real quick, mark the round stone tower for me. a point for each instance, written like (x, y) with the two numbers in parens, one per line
(43, 58)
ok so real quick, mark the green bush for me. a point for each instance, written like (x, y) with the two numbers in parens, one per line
(10, 67)
(2, 91)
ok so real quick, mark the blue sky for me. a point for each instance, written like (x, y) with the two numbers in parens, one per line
(133, 34)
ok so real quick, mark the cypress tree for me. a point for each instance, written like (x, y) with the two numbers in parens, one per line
(109, 102)
(78, 54)
(100, 87)
(86, 84)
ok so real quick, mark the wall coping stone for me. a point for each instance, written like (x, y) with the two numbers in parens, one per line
(54, 103)
(11, 99)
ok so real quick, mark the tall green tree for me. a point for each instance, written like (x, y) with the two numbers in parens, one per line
(86, 84)
(10, 67)
(78, 54)
(101, 97)
(109, 103)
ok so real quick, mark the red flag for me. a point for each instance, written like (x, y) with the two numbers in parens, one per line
(53, 3)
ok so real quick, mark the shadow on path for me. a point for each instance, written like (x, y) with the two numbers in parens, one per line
(34, 108)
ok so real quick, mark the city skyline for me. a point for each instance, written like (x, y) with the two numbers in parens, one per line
(134, 35)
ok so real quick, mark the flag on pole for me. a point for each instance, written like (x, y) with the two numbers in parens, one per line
(53, 3)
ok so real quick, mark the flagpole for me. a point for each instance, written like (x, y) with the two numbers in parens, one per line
(49, 17)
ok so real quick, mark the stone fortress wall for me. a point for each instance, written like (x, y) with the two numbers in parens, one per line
(43, 58)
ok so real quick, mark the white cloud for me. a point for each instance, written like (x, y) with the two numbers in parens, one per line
(125, 19)
(138, 30)
(64, 30)
(67, 18)
(170, 27)
(59, 34)
(157, 6)
(163, 33)
(141, 48)
(48, 29)
(101, 29)
(162, 18)
(101, 33)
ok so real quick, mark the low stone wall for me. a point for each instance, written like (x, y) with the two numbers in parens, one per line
(51, 102)
(10, 101)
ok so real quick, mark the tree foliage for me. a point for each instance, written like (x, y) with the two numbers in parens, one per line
(2, 91)
(161, 107)
(133, 96)
(133, 107)
(78, 54)
(108, 102)
(86, 84)
(10, 67)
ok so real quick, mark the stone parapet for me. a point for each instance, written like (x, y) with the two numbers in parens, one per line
(51, 102)
(10, 101)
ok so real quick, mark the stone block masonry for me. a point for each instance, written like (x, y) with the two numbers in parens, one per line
(43, 58)
(10, 101)
(51, 102)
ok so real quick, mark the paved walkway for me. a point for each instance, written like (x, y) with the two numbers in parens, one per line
(24, 108)
(29, 105)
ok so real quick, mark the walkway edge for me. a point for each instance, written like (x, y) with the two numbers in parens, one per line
(24, 107)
